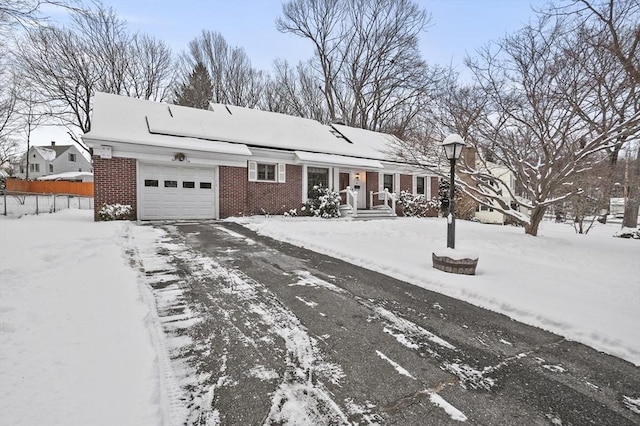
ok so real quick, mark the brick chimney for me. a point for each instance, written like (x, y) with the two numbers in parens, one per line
(53, 143)
(469, 157)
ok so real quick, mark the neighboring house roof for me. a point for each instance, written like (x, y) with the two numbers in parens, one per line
(67, 176)
(51, 152)
(59, 149)
(46, 153)
(231, 129)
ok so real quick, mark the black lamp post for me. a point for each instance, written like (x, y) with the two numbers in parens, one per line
(452, 145)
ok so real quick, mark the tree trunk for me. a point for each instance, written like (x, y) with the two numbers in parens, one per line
(537, 214)
(633, 201)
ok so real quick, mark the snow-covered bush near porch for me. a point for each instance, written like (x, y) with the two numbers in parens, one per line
(115, 212)
(323, 202)
(416, 205)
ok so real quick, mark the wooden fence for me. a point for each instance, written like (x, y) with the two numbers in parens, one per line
(50, 187)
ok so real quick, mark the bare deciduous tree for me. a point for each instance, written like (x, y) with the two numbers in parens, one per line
(234, 79)
(295, 91)
(614, 29)
(150, 72)
(367, 57)
(9, 145)
(26, 13)
(617, 23)
(30, 113)
(68, 65)
(533, 126)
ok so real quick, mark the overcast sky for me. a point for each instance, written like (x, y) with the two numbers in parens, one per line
(457, 27)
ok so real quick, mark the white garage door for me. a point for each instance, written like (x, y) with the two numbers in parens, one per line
(169, 192)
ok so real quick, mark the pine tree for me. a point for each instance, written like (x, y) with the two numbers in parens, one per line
(197, 91)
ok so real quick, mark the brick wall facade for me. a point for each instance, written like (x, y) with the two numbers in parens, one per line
(232, 186)
(372, 185)
(114, 182)
(238, 196)
(406, 183)
(434, 194)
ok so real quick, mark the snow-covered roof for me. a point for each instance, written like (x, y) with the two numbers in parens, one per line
(129, 120)
(341, 160)
(46, 153)
(67, 176)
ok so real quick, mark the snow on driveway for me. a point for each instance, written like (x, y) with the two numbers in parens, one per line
(583, 287)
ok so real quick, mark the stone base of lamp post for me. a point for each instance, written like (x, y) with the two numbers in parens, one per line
(455, 262)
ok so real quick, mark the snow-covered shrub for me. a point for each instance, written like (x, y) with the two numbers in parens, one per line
(416, 205)
(323, 202)
(628, 233)
(290, 213)
(115, 212)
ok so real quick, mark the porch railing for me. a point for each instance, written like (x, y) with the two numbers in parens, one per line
(387, 197)
(351, 197)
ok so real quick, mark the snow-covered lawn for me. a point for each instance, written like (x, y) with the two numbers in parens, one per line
(75, 346)
(583, 287)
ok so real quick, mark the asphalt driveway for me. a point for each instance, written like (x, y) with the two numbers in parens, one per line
(287, 336)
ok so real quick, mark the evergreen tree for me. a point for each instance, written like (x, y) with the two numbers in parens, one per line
(197, 91)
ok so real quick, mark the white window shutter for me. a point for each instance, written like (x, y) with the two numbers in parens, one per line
(427, 182)
(253, 171)
(282, 172)
(380, 186)
(396, 183)
(414, 186)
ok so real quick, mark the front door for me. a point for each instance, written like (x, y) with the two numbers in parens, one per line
(343, 183)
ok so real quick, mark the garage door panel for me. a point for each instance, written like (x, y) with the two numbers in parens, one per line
(177, 193)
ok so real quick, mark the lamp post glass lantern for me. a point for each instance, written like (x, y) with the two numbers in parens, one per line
(452, 145)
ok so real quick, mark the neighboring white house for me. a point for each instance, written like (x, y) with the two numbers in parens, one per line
(53, 159)
(507, 182)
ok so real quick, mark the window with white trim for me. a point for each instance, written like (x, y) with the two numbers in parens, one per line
(266, 172)
(72, 158)
(34, 167)
(387, 182)
(317, 176)
(421, 187)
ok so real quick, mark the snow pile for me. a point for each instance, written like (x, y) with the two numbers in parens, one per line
(74, 348)
(583, 287)
(628, 233)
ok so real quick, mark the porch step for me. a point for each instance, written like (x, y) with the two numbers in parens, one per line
(374, 214)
